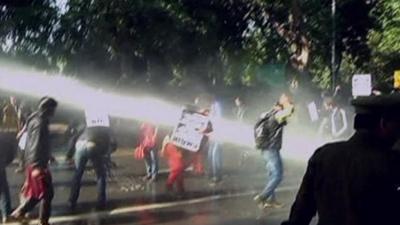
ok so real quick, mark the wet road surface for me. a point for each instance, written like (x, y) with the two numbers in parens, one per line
(132, 201)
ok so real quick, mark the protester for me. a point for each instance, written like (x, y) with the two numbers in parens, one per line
(214, 150)
(356, 181)
(334, 124)
(38, 185)
(269, 132)
(95, 144)
(8, 148)
(147, 150)
(240, 109)
(180, 158)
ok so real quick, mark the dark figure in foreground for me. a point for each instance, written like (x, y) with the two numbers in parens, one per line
(356, 182)
(38, 186)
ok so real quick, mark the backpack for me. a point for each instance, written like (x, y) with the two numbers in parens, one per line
(264, 128)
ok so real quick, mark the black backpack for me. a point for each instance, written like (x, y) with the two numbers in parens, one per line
(264, 128)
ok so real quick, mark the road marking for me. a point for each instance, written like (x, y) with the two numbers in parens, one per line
(131, 209)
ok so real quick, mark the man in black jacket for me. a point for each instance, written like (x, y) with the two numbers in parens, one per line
(38, 185)
(355, 182)
(269, 141)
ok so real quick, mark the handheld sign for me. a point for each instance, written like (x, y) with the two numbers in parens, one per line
(97, 119)
(188, 132)
(361, 85)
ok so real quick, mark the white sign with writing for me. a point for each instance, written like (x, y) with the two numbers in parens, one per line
(97, 119)
(361, 85)
(188, 132)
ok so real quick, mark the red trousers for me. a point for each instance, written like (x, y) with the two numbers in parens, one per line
(178, 161)
(176, 166)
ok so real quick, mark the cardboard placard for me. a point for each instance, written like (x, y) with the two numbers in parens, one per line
(97, 119)
(188, 132)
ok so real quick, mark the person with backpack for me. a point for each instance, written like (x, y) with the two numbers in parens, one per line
(268, 138)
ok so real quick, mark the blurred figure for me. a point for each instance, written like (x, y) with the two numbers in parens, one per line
(334, 124)
(356, 181)
(214, 150)
(38, 186)
(8, 149)
(11, 121)
(240, 109)
(95, 144)
(269, 132)
(147, 150)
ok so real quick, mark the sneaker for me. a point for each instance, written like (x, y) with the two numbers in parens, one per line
(146, 178)
(273, 204)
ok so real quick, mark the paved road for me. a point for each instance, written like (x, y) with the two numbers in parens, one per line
(132, 201)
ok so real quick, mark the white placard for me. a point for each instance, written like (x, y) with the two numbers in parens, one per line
(97, 119)
(361, 85)
(187, 134)
(312, 111)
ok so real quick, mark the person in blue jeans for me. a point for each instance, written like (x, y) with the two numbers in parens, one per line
(269, 132)
(214, 151)
(94, 145)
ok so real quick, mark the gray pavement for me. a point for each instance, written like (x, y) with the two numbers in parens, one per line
(132, 201)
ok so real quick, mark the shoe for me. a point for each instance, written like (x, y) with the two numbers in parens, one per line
(44, 223)
(273, 204)
(152, 179)
(17, 216)
(10, 219)
(146, 178)
(259, 201)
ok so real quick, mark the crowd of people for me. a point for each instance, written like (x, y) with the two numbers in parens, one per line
(93, 140)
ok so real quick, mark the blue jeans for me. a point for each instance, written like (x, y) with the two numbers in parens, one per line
(274, 168)
(82, 156)
(5, 201)
(151, 161)
(214, 161)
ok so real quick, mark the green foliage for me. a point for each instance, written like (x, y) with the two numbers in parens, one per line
(214, 43)
(384, 39)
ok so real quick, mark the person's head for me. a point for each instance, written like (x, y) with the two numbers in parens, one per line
(13, 100)
(285, 99)
(380, 114)
(47, 106)
(329, 103)
(238, 101)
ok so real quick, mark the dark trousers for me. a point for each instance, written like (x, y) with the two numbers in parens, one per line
(82, 156)
(45, 202)
(5, 201)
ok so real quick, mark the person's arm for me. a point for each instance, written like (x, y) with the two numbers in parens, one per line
(282, 115)
(304, 207)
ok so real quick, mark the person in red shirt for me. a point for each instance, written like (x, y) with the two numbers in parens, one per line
(147, 150)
